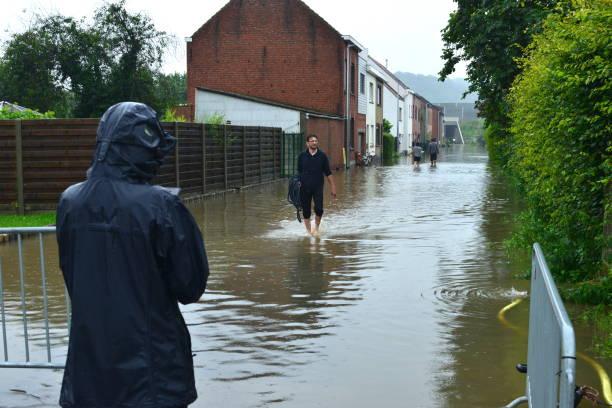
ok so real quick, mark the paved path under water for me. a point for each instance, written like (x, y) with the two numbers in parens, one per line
(394, 305)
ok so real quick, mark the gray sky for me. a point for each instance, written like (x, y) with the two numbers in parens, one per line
(405, 33)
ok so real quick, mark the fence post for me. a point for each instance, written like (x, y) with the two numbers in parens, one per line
(225, 154)
(282, 154)
(203, 158)
(176, 155)
(19, 165)
(260, 155)
(244, 157)
(274, 136)
(296, 148)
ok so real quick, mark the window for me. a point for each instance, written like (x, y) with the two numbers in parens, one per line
(361, 84)
(400, 114)
(371, 93)
(352, 79)
(379, 95)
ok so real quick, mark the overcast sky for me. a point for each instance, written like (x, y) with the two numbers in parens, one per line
(406, 34)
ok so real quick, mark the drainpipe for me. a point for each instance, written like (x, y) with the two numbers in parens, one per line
(398, 117)
(348, 106)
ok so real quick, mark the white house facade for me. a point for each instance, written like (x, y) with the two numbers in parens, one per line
(242, 111)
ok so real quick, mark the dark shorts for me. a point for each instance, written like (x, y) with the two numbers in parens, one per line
(307, 195)
(417, 159)
(433, 156)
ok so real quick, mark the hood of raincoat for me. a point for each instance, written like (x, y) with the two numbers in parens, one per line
(130, 143)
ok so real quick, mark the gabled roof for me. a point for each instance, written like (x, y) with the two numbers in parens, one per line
(372, 70)
(354, 42)
(12, 107)
(381, 66)
(297, 1)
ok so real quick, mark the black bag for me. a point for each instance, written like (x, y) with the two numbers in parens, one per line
(293, 195)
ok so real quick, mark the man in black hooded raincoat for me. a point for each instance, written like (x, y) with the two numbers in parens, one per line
(128, 251)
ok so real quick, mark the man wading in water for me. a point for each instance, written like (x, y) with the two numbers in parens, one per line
(313, 165)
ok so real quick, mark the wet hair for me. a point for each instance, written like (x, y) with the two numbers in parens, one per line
(311, 136)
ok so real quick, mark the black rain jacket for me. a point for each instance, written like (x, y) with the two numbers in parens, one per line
(128, 251)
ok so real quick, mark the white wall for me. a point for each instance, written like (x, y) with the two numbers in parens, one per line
(401, 96)
(371, 114)
(407, 123)
(390, 104)
(362, 106)
(243, 112)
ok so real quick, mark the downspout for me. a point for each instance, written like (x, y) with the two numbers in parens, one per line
(398, 118)
(348, 106)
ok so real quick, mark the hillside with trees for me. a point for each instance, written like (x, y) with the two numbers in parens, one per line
(449, 91)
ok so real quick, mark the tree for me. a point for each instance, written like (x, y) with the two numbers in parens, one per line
(28, 74)
(472, 131)
(562, 151)
(490, 35)
(60, 60)
(389, 148)
(135, 52)
(170, 89)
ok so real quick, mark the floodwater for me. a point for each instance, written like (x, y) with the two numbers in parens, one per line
(394, 305)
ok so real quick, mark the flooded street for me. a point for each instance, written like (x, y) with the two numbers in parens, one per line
(394, 305)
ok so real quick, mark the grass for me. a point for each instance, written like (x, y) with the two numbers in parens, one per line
(33, 220)
(600, 317)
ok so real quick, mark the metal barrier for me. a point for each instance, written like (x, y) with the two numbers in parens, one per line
(551, 357)
(19, 232)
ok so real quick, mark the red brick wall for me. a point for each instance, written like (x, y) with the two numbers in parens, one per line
(418, 126)
(435, 121)
(331, 138)
(185, 111)
(277, 49)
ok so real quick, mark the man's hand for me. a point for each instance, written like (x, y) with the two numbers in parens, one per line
(332, 185)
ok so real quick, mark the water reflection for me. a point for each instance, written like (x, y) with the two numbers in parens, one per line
(32, 288)
(393, 305)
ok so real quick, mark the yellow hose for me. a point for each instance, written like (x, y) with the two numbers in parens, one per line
(603, 376)
(502, 312)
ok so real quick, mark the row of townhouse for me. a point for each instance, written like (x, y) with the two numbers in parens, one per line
(278, 63)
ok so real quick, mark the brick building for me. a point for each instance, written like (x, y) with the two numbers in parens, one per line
(281, 51)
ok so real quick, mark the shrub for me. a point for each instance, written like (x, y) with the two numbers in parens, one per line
(171, 116)
(560, 138)
(5, 113)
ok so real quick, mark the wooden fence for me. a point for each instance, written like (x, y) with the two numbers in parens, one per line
(40, 158)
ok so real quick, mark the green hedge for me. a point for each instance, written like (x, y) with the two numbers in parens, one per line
(5, 113)
(560, 145)
(388, 147)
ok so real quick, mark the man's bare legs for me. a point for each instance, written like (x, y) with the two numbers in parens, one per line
(317, 223)
(307, 225)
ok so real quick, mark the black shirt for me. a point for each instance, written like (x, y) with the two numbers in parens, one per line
(312, 168)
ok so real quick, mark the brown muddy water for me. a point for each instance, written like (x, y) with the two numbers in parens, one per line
(394, 305)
